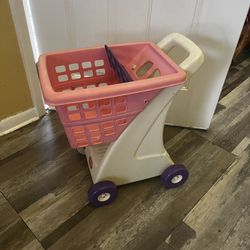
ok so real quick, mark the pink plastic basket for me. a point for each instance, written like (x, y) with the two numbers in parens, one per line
(93, 105)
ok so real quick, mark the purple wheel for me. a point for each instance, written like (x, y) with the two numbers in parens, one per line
(102, 193)
(174, 176)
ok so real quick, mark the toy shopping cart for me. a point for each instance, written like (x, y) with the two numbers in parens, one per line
(113, 101)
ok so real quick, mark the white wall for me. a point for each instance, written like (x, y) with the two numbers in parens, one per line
(65, 24)
(214, 25)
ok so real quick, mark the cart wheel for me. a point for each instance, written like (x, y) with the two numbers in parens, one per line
(174, 176)
(102, 193)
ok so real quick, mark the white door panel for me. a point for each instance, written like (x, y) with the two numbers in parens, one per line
(50, 24)
(216, 29)
(90, 19)
(171, 16)
(128, 20)
(214, 25)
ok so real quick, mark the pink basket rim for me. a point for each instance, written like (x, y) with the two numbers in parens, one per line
(52, 97)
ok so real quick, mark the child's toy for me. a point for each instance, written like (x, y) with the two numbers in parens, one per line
(113, 101)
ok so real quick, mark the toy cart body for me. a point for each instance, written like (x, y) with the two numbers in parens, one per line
(120, 123)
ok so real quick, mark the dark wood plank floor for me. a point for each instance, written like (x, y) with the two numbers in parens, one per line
(43, 184)
(13, 231)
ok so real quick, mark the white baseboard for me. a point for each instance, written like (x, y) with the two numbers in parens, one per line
(17, 121)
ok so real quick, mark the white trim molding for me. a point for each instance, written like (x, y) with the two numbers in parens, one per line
(17, 121)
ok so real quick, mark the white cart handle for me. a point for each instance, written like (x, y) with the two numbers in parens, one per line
(195, 58)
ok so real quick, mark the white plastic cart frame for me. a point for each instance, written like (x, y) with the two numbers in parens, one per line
(139, 152)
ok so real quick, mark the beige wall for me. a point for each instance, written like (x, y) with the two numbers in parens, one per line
(14, 92)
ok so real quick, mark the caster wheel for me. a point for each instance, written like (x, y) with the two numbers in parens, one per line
(102, 193)
(174, 176)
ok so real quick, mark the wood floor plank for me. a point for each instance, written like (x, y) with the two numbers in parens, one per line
(180, 236)
(32, 156)
(239, 237)
(221, 218)
(242, 68)
(222, 120)
(49, 212)
(219, 108)
(235, 132)
(145, 212)
(47, 128)
(164, 246)
(232, 71)
(46, 183)
(233, 77)
(242, 56)
(236, 75)
(65, 227)
(38, 171)
(53, 192)
(33, 245)
(231, 125)
(241, 146)
(236, 95)
(14, 234)
(170, 132)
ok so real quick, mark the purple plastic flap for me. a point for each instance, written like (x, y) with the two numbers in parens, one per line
(118, 68)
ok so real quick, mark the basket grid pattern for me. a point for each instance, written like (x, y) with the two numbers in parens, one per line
(96, 133)
(91, 111)
(95, 109)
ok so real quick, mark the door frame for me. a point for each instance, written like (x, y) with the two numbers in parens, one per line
(17, 9)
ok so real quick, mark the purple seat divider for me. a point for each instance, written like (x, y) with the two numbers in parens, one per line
(118, 68)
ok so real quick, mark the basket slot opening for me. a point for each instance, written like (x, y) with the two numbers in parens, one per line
(96, 140)
(88, 105)
(106, 111)
(144, 68)
(120, 108)
(60, 69)
(108, 125)
(75, 76)
(77, 88)
(95, 133)
(90, 114)
(99, 62)
(108, 132)
(121, 99)
(72, 108)
(104, 102)
(102, 84)
(86, 65)
(62, 78)
(100, 72)
(82, 143)
(91, 86)
(80, 136)
(155, 73)
(93, 127)
(66, 90)
(78, 129)
(74, 116)
(73, 66)
(88, 73)
(121, 122)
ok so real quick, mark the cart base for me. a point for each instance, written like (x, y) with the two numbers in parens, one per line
(139, 152)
